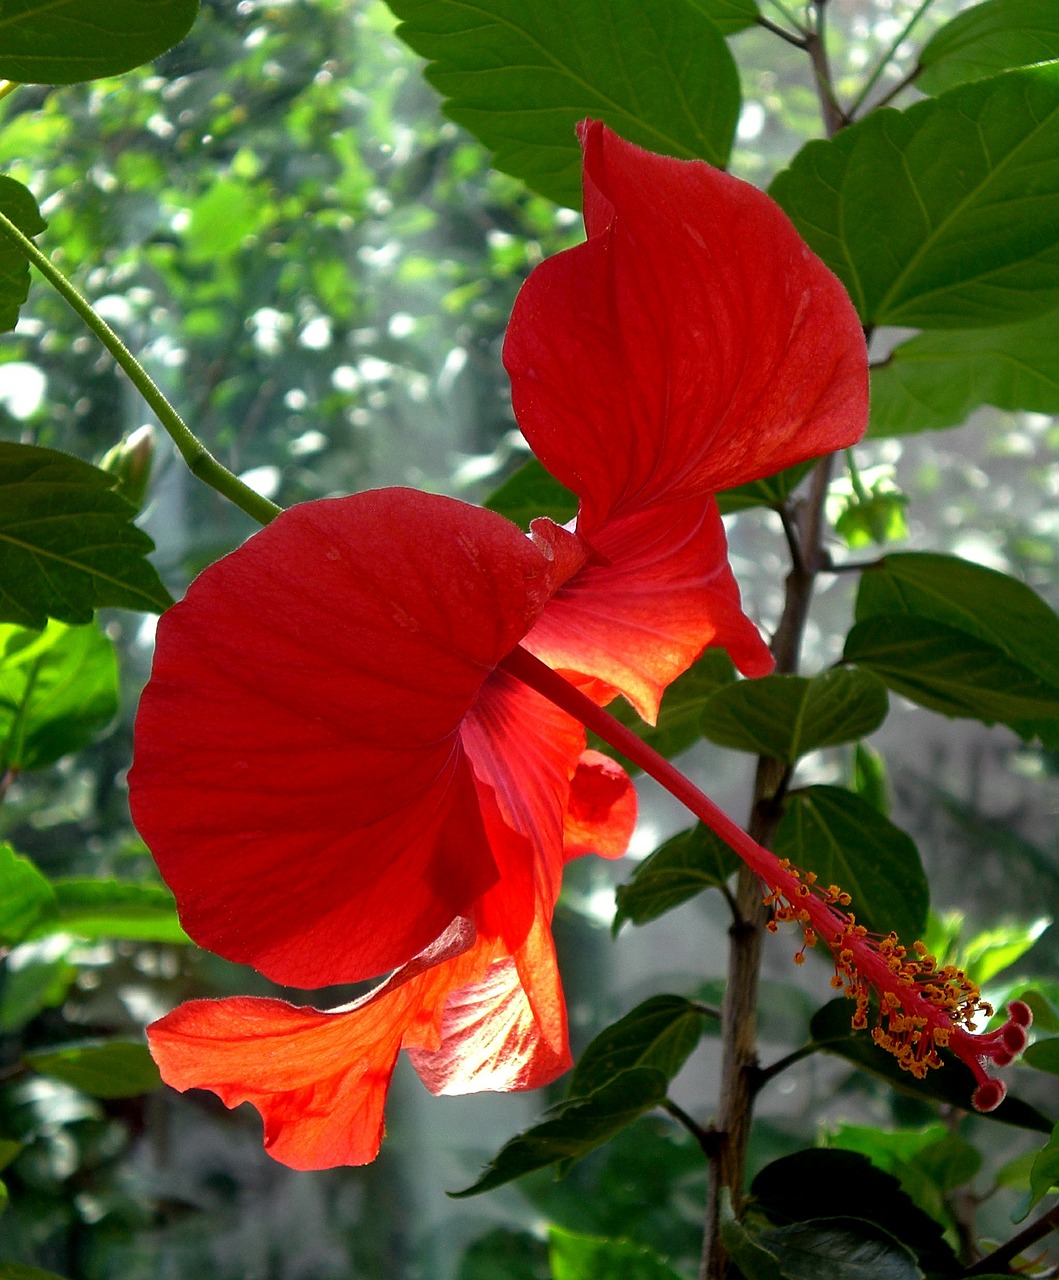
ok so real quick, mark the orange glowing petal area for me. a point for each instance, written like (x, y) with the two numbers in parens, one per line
(694, 342)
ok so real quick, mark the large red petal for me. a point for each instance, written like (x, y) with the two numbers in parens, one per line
(299, 773)
(693, 343)
(660, 591)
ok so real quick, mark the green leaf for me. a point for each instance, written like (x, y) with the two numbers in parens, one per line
(531, 492)
(961, 190)
(869, 778)
(772, 491)
(9, 1148)
(1043, 1055)
(945, 669)
(687, 864)
(19, 205)
(989, 38)
(25, 895)
(118, 909)
(936, 380)
(1044, 1172)
(848, 842)
(504, 1254)
(576, 1257)
(951, 1084)
(67, 544)
(58, 688)
(579, 1126)
(839, 1248)
(18, 1271)
(35, 976)
(67, 41)
(102, 1069)
(661, 1032)
(793, 1188)
(994, 950)
(730, 16)
(680, 713)
(788, 716)
(519, 74)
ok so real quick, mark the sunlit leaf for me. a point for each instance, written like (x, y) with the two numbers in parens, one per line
(936, 380)
(662, 1032)
(102, 1069)
(67, 543)
(576, 1257)
(58, 688)
(25, 895)
(988, 38)
(1044, 1172)
(66, 41)
(687, 864)
(19, 205)
(579, 1126)
(787, 716)
(848, 842)
(519, 74)
(118, 909)
(944, 187)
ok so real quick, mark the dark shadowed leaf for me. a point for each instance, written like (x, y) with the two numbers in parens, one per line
(19, 205)
(25, 895)
(680, 714)
(1043, 1055)
(839, 1248)
(578, 1127)
(936, 380)
(102, 1069)
(787, 716)
(19, 1271)
(576, 1257)
(36, 976)
(503, 1254)
(848, 842)
(687, 864)
(519, 74)
(67, 41)
(951, 1083)
(67, 543)
(662, 1032)
(988, 38)
(944, 186)
(531, 492)
(58, 688)
(793, 1188)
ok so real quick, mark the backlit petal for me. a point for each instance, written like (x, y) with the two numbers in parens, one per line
(660, 591)
(693, 343)
(299, 773)
(601, 814)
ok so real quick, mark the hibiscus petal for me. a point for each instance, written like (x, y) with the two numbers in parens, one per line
(693, 343)
(601, 814)
(658, 593)
(299, 774)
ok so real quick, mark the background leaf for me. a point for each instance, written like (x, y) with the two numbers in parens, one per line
(25, 895)
(839, 1248)
(66, 41)
(848, 842)
(102, 1069)
(685, 865)
(661, 1032)
(531, 492)
(771, 491)
(1043, 1055)
(944, 186)
(1044, 1172)
(988, 38)
(119, 909)
(788, 716)
(19, 205)
(937, 379)
(576, 1257)
(519, 74)
(67, 544)
(581, 1125)
(58, 688)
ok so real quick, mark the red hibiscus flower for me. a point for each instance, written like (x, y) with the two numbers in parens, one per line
(334, 769)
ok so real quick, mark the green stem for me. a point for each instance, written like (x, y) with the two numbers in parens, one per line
(855, 481)
(887, 58)
(200, 461)
(798, 41)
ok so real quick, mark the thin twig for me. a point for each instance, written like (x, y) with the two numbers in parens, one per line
(887, 58)
(899, 87)
(200, 461)
(765, 1074)
(799, 41)
(781, 8)
(816, 47)
(706, 1138)
(999, 1259)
